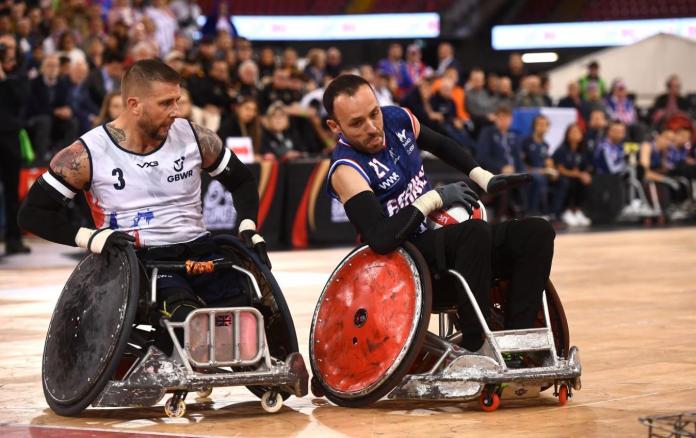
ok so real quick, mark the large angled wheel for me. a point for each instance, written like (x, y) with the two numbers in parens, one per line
(89, 329)
(370, 324)
(280, 329)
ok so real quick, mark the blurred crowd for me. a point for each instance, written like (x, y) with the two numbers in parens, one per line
(62, 62)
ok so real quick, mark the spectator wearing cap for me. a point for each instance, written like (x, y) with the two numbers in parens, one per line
(280, 139)
(619, 106)
(670, 103)
(592, 77)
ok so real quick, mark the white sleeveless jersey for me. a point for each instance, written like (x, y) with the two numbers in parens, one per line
(155, 197)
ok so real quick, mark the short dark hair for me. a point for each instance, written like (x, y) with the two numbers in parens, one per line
(146, 71)
(503, 109)
(347, 84)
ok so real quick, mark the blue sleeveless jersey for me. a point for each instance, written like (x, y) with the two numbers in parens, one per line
(396, 172)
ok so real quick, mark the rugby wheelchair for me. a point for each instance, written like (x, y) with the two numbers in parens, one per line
(369, 339)
(100, 346)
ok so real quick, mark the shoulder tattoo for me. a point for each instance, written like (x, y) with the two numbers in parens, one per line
(72, 165)
(210, 143)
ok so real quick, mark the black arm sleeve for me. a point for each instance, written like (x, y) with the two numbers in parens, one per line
(446, 149)
(43, 213)
(238, 179)
(383, 234)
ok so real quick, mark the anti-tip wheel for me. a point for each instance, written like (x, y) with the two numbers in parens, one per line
(175, 409)
(271, 401)
(489, 401)
(563, 395)
(204, 393)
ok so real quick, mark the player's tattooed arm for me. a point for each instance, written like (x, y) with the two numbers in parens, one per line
(210, 143)
(72, 164)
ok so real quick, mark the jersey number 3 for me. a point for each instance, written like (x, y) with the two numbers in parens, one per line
(118, 173)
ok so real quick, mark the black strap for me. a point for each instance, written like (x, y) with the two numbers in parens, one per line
(91, 238)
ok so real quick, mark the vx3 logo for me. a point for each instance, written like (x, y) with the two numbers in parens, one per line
(148, 164)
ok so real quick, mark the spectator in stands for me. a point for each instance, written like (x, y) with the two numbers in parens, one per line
(289, 61)
(670, 103)
(572, 164)
(417, 100)
(316, 67)
(593, 102)
(516, 70)
(95, 54)
(213, 92)
(14, 89)
(498, 147)
(175, 59)
(105, 79)
(596, 129)
(187, 13)
(243, 122)
(67, 47)
(506, 96)
(498, 151)
(592, 77)
(662, 189)
(442, 102)
(535, 156)
(618, 104)
(267, 64)
(197, 115)
(458, 95)
(334, 62)
(609, 156)
(530, 94)
(545, 90)
(280, 140)
(382, 92)
(50, 120)
(111, 108)
(283, 87)
(415, 68)
(493, 84)
(479, 103)
(681, 155)
(572, 99)
(446, 60)
(83, 108)
(394, 66)
(206, 53)
(247, 84)
(245, 51)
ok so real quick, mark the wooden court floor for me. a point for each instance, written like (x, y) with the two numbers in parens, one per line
(630, 298)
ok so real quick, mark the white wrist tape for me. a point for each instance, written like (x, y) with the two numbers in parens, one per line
(428, 202)
(92, 240)
(247, 224)
(481, 177)
(256, 238)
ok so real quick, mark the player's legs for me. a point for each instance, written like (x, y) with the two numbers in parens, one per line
(523, 251)
(465, 247)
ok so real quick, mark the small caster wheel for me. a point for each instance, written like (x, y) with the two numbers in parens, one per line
(317, 390)
(489, 401)
(563, 395)
(175, 409)
(271, 401)
(204, 393)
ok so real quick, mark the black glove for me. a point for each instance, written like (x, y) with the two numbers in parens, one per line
(458, 193)
(249, 236)
(501, 183)
(118, 240)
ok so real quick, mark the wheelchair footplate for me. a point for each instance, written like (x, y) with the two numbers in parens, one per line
(214, 338)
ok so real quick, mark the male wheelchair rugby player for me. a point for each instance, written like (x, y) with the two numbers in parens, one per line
(186, 312)
(369, 335)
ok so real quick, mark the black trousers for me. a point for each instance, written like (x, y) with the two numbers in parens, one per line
(520, 250)
(10, 164)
